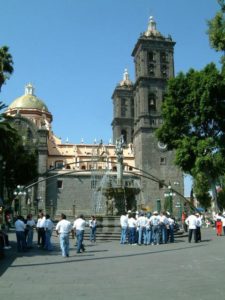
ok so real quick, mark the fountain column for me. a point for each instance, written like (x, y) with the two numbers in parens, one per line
(119, 155)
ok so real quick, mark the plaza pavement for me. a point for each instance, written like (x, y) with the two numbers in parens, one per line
(108, 270)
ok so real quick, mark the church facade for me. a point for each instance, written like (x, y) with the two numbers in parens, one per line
(73, 177)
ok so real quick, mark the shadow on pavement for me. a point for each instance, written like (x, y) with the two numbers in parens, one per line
(90, 257)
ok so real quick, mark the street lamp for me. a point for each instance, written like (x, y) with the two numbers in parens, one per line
(170, 194)
(19, 192)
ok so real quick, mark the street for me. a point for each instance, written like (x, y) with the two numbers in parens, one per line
(108, 270)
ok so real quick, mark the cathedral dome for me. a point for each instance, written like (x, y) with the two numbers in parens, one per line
(28, 101)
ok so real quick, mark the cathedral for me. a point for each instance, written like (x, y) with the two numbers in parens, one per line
(83, 178)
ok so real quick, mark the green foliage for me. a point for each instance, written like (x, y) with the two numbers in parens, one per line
(6, 65)
(201, 188)
(221, 199)
(194, 121)
(20, 161)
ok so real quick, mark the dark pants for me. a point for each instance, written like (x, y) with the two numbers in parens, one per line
(198, 234)
(41, 237)
(190, 235)
(21, 242)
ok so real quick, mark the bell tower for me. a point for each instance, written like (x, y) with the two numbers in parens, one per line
(123, 110)
(154, 65)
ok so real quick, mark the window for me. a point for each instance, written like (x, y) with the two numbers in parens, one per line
(83, 167)
(163, 57)
(151, 102)
(151, 69)
(161, 184)
(162, 160)
(59, 164)
(164, 70)
(124, 134)
(59, 184)
(150, 56)
(123, 107)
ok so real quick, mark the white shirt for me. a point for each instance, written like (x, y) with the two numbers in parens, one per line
(191, 221)
(223, 221)
(41, 222)
(64, 226)
(123, 221)
(164, 220)
(199, 222)
(155, 220)
(132, 222)
(92, 223)
(79, 224)
(20, 225)
(142, 221)
(171, 221)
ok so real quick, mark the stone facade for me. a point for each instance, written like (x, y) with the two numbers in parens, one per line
(137, 113)
(80, 178)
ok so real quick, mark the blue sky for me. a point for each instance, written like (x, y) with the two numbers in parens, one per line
(75, 52)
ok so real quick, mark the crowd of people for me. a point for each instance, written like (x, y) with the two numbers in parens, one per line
(137, 228)
(154, 229)
(24, 229)
(146, 229)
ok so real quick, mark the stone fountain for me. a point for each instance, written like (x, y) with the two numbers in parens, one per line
(120, 197)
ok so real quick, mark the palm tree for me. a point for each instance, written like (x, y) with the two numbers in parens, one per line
(6, 65)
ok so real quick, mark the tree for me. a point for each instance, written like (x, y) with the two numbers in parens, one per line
(6, 65)
(194, 117)
(20, 160)
(194, 120)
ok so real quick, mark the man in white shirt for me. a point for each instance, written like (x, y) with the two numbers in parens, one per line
(198, 227)
(141, 224)
(132, 223)
(79, 226)
(164, 223)
(155, 221)
(191, 221)
(124, 225)
(41, 229)
(63, 229)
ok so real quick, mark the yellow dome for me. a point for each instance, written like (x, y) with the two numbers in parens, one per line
(29, 101)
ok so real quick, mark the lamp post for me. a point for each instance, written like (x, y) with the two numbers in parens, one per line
(19, 192)
(169, 195)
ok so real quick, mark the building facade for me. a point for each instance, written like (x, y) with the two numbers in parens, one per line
(137, 113)
(80, 178)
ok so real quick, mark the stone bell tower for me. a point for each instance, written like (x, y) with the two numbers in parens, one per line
(123, 112)
(154, 65)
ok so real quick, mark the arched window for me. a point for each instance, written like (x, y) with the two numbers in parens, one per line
(124, 134)
(123, 107)
(83, 167)
(151, 102)
(59, 164)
